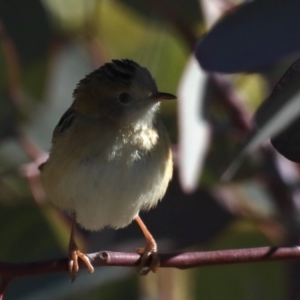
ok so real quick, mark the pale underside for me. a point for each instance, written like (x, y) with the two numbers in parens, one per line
(106, 178)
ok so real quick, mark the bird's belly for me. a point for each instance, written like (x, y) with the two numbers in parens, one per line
(106, 193)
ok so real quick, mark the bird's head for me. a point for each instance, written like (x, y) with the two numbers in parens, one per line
(121, 91)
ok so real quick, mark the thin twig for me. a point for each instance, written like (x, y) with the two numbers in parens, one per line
(30, 171)
(30, 147)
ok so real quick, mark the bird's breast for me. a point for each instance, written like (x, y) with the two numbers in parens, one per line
(108, 181)
(132, 146)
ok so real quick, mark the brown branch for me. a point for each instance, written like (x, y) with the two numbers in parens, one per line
(188, 260)
(9, 271)
(167, 260)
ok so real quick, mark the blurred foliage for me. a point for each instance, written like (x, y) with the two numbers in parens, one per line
(227, 49)
(127, 289)
(57, 43)
(17, 224)
(29, 28)
(245, 281)
(190, 13)
(34, 79)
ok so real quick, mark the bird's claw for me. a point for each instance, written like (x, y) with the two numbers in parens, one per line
(146, 254)
(74, 266)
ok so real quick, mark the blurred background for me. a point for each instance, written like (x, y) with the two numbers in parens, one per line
(47, 46)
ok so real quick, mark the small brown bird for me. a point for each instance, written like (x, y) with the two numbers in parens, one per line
(110, 156)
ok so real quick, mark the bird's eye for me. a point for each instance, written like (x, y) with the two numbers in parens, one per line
(125, 98)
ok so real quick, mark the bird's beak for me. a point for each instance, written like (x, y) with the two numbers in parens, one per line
(159, 96)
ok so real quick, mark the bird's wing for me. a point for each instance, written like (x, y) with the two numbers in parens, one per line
(64, 123)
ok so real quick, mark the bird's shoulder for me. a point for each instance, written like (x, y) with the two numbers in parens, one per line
(64, 123)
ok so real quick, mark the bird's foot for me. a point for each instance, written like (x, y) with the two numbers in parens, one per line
(74, 254)
(149, 252)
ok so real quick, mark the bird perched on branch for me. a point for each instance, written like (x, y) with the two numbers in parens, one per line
(110, 156)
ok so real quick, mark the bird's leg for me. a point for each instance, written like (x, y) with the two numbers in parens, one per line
(74, 254)
(149, 251)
